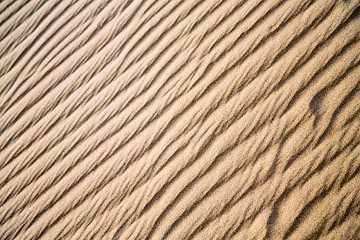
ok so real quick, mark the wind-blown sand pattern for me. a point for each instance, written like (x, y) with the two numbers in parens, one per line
(181, 119)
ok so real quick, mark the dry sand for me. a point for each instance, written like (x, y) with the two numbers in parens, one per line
(181, 119)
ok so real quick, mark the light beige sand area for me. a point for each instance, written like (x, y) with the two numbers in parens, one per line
(180, 119)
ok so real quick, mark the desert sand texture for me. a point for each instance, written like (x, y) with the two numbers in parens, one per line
(180, 119)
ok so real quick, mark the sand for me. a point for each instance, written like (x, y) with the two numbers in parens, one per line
(181, 119)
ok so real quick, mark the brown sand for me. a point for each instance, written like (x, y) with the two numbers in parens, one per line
(181, 119)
